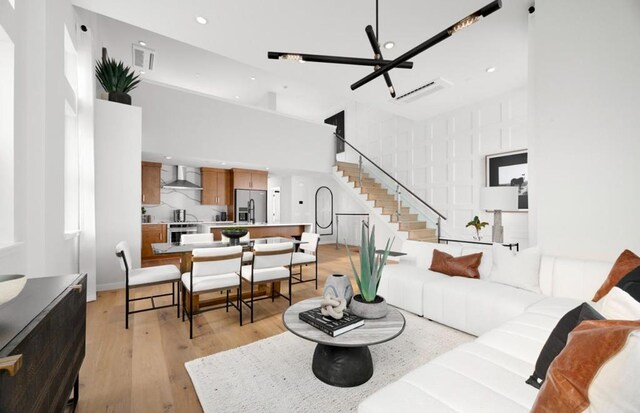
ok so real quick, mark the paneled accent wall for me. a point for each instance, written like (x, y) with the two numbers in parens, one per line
(442, 159)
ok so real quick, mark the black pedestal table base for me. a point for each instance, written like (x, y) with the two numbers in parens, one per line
(342, 366)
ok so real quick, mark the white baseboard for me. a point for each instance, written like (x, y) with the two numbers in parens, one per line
(110, 286)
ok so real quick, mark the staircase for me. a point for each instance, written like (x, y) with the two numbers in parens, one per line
(385, 204)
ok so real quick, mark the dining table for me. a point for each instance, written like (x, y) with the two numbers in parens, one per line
(184, 250)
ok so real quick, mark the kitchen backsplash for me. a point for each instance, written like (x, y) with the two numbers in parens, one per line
(188, 200)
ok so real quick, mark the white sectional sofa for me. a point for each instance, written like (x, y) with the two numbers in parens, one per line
(512, 325)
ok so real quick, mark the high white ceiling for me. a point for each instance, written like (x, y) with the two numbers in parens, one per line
(243, 31)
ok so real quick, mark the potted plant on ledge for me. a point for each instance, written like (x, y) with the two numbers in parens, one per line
(116, 79)
(368, 304)
(475, 222)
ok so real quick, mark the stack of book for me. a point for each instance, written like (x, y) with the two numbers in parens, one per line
(330, 325)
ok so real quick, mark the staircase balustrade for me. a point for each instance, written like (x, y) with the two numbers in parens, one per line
(401, 204)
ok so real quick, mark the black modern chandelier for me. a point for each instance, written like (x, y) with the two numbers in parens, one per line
(382, 67)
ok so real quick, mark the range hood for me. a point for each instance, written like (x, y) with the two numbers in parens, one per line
(181, 182)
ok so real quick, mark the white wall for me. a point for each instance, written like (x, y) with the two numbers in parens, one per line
(40, 87)
(442, 159)
(187, 125)
(587, 121)
(118, 131)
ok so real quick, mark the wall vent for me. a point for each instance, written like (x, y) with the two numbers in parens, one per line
(424, 90)
(143, 58)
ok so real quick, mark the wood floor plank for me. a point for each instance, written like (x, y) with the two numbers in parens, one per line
(142, 369)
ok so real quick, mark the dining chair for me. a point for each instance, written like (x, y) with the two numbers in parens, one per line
(212, 269)
(308, 255)
(143, 277)
(271, 263)
(247, 256)
(205, 238)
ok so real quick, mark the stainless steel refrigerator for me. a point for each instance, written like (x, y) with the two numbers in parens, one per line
(251, 206)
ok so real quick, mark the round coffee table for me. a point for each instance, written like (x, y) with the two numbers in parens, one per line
(343, 361)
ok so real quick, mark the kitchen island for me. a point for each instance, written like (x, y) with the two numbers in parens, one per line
(259, 230)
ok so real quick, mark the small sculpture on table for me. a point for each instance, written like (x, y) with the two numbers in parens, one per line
(333, 307)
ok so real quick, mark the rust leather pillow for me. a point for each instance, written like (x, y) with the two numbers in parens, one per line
(626, 262)
(463, 266)
(591, 345)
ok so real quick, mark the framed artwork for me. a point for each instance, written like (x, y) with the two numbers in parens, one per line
(510, 169)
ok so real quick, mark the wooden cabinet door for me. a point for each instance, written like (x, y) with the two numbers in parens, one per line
(151, 183)
(209, 186)
(152, 233)
(259, 181)
(224, 188)
(241, 179)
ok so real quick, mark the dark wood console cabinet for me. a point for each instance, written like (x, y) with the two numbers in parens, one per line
(42, 345)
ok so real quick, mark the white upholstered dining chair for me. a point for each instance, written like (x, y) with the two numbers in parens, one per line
(141, 277)
(212, 269)
(271, 263)
(205, 238)
(308, 254)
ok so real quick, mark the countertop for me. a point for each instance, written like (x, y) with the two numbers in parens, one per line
(228, 224)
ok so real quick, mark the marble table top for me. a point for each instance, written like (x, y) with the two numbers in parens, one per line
(372, 332)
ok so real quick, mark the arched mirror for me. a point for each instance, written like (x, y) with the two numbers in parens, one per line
(324, 211)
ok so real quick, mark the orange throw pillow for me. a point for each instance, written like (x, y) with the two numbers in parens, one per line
(464, 266)
(590, 346)
(626, 262)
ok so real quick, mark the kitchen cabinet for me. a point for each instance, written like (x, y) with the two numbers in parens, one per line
(216, 186)
(250, 179)
(151, 183)
(152, 233)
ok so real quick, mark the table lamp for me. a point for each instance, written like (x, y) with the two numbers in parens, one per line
(498, 199)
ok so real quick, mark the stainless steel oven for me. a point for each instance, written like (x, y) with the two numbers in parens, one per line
(175, 231)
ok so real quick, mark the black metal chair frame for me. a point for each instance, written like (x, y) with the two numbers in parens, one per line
(252, 300)
(128, 300)
(299, 279)
(190, 312)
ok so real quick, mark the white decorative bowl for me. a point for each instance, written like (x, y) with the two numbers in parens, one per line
(10, 286)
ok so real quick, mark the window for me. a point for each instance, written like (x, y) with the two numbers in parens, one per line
(71, 152)
(7, 198)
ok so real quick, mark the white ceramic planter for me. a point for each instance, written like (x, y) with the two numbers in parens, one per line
(10, 286)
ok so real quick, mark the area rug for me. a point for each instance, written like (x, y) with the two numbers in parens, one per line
(274, 374)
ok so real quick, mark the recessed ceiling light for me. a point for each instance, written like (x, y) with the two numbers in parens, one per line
(167, 157)
(491, 69)
(201, 20)
(224, 163)
(389, 45)
(252, 78)
(267, 168)
(237, 97)
(142, 43)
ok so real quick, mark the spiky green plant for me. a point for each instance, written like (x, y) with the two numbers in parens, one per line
(115, 76)
(371, 265)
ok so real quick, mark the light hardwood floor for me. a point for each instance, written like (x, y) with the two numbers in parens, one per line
(142, 369)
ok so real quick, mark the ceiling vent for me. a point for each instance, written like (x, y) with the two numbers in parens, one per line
(143, 58)
(424, 90)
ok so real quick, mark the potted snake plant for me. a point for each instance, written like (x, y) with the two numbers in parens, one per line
(368, 304)
(116, 79)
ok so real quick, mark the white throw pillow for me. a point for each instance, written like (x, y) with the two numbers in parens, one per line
(618, 305)
(521, 270)
(615, 386)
